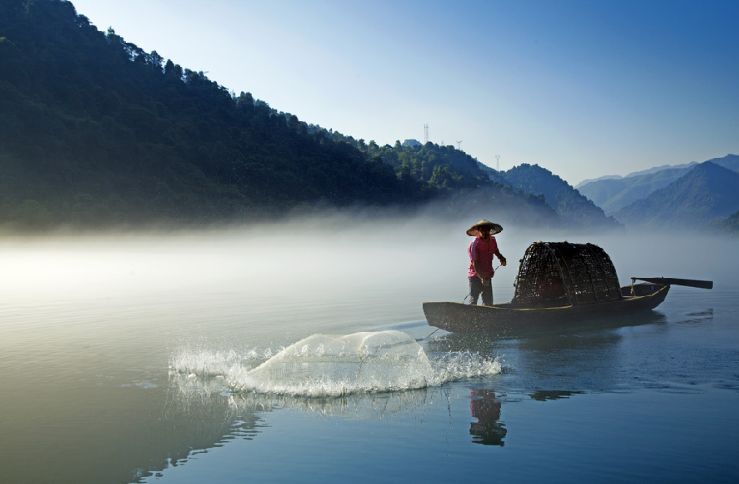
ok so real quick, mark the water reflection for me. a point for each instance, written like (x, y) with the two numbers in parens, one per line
(485, 407)
(698, 317)
(203, 413)
(191, 424)
(216, 415)
(363, 406)
(544, 395)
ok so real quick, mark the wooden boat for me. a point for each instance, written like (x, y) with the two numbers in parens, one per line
(558, 284)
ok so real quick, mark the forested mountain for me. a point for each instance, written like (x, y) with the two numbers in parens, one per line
(466, 185)
(615, 193)
(440, 166)
(437, 166)
(570, 205)
(94, 127)
(96, 130)
(707, 193)
(470, 187)
(494, 175)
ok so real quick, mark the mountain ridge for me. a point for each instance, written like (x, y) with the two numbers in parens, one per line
(567, 201)
(614, 194)
(707, 193)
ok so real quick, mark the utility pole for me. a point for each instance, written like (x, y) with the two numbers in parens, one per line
(425, 133)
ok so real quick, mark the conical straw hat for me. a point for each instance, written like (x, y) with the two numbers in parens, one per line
(494, 228)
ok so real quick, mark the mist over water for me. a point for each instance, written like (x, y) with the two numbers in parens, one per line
(113, 346)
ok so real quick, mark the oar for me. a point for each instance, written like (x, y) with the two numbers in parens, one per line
(671, 281)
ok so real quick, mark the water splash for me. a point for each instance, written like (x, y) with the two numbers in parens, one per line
(325, 365)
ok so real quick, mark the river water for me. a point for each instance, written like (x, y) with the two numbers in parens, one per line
(233, 355)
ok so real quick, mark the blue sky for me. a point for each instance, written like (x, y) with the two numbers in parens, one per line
(584, 88)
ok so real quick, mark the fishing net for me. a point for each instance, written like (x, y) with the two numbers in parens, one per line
(561, 273)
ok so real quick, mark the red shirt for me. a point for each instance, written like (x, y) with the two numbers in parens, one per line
(482, 251)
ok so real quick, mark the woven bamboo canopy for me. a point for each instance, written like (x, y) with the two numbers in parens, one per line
(561, 273)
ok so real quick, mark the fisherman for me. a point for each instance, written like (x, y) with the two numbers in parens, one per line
(481, 252)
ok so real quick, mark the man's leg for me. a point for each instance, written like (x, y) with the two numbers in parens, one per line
(475, 289)
(487, 294)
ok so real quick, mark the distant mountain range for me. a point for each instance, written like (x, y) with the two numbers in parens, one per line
(613, 193)
(707, 193)
(572, 207)
(646, 171)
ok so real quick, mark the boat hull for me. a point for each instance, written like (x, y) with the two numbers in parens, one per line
(505, 319)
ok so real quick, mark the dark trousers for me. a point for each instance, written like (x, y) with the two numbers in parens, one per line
(476, 288)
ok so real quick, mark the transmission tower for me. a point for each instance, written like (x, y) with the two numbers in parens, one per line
(459, 144)
(497, 162)
(425, 133)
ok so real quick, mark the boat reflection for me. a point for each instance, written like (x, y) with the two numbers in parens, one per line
(485, 407)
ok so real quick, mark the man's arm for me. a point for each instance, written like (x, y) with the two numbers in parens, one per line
(502, 259)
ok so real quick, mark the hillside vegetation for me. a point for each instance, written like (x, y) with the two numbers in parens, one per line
(570, 204)
(98, 131)
(96, 128)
